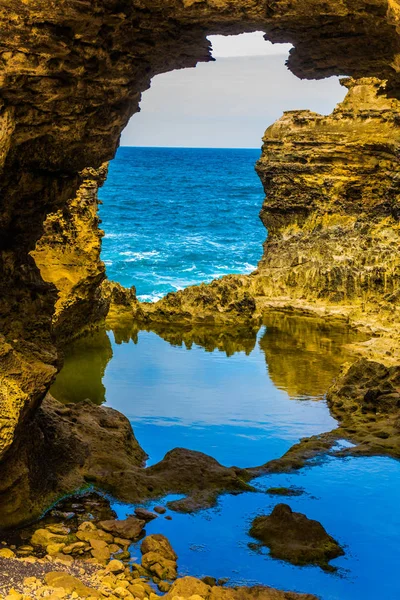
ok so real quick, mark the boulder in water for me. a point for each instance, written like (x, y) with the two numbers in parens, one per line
(294, 537)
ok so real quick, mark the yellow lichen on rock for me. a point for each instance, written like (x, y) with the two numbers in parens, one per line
(68, 255)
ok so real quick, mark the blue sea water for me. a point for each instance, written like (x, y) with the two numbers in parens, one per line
(174, 217)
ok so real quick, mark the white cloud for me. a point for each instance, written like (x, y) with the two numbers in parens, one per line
(246, 44)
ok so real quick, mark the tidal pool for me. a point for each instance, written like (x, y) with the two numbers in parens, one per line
(245, 397)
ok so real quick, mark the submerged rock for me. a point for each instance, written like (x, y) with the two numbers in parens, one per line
(294, 537)
(284, 491)
(144, 514)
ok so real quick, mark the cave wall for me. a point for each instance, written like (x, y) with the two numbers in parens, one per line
(71, 75)
(68, 255)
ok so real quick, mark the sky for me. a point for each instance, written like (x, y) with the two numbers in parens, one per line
(227, 103)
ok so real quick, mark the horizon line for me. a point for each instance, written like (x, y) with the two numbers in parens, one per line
(195, 147)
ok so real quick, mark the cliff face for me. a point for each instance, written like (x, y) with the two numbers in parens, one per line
(71, 75)
(68, 255)
(332, 203)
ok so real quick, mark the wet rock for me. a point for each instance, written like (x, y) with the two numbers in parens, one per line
(116, 567)
(284, 491)
(96, 534)
(44, 537)
(7, 553)
(161, 510)
(160, 544)
(145, 515)
(211, 581)
(53, 549)
(293, 537)
(159, 567)
(192, 588)
(164, 586)
(100, 550)
(129, 528)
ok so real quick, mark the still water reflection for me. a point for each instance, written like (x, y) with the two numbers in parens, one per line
(244, 397)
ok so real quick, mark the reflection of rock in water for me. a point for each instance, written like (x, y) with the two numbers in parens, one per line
(85, 362)
(303, 354)
(225, 339)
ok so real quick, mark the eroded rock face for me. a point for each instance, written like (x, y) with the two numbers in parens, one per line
(71, 76)
(366, 400)
(332, 203)
(225, 300)
(68, 255)
(61, 450)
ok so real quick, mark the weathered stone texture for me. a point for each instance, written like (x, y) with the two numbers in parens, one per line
(332, 203)
(68, 255)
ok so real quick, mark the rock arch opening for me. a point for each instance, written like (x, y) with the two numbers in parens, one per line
(181, 201)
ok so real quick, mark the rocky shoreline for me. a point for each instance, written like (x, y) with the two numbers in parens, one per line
(75, 553)
(72, 75)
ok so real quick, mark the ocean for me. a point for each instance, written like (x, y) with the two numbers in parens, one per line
(175, 217)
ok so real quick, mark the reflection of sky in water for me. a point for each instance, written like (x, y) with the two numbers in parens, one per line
(224, 406)
(357, 501)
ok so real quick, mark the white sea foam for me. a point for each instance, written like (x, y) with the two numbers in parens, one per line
(249, 267)
(149, 297)
(126, 234)
(136, 256)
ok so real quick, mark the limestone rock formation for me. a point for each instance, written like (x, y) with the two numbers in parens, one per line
(366, 401)
(124, 307)
(68, 255)
(293, 537)
(159, 558)
(221, 301)
(129, 528)
(60, 451)
(332, 212)
(72, 74)
(332, 204)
